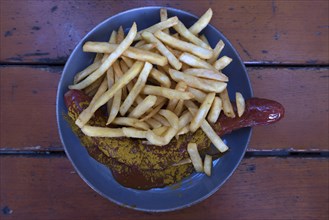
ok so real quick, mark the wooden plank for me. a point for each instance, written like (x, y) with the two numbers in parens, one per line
(28, 108)
(261, 188)
(262, 31)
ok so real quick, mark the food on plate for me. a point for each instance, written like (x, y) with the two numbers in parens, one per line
(153, 101)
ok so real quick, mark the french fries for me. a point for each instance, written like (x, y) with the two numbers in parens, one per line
(240, 103)
(153, 79)
(192, 150)
(109, 61)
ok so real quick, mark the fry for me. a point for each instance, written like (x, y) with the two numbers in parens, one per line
(207, 74)
(218, 48)
(240, 103)
(128, 61)
(120, 35)
(153, 123)
(133, 122)
(181, 86)
(203, 84)
(182, 131)
(142, 107)
(227, 105)
(110, 82)
(118, 71)
(136, 89)
(116, 101)
(185, 33)
(112, 40)
(160, 130)
(163, 17)
(202, 22)
(86, 114)
(198, 95)
(204, 39)
(222, 62)
(215, 110)
(171, 118)
(159, 26)
(98, 57)
(92, 89)
(183, 45)
(202, 112)
(154, 111)
(86, 72)
(184, 120)
(192, 150)
(124, 66)
(163, 50)
(179, 107)
(161, 119)
(166, 92)
(207, 129)
(109, 61)
(195, 61)
(160, 77)
(131, 52)
(207, 165)
(133, 132)
(102, 131)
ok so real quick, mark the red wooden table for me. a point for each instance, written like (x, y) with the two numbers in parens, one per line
(284, 174)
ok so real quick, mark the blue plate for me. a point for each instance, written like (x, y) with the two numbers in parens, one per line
(192, 189)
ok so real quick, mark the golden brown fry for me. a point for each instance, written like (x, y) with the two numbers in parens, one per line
(207, 74)
(153, 123)
(166, 92)
(195, 61)
(162, 49)
(202, 112)
(120, 35)
(204, 39)
(171, 118)
(181, 86)
(160, 130)
(154, 111)
(185, 33)
(202, 22)
(217, 50)
(183, 45)
(227, 105)
(198, 95)
(163, 17)
(207, 129)
(196, 82)
(207, 165)
(222, 62)
(142, 107)
(131, 52)
(179, 108)
(160, 77)
(92, 89)
(85, 115)
(109, 61)
(215, 110)
(136, 89)
(161, 119)
(159, 26)
(124, 66)
(240, 103)
(128, 61)
(134, 132)
(110, 82)
(98, 57)
(116, 99)
(192, 150)
(133, 122)
(86, 72)
(93, 131)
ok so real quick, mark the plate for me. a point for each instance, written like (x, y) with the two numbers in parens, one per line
(192, 189)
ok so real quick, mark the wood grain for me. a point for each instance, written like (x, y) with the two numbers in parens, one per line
(28, 104)
(261, 188)
(288, 32)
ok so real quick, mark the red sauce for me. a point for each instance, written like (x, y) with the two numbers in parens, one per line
(258, 112)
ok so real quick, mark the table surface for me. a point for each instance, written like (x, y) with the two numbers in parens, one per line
(284, 174)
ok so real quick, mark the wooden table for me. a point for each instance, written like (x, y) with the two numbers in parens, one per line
(284, 174)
